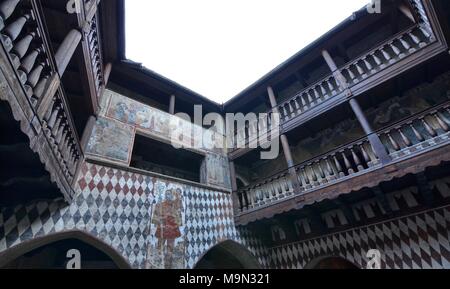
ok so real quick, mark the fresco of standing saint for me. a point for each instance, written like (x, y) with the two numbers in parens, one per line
(166, 250)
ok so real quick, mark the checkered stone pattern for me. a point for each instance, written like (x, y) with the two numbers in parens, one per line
(419, 241)
(209, 222)
(115, 207)
(110, 205)
(249, 240)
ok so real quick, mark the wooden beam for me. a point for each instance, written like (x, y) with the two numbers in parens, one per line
(172, 104)
(346, 209)
(50, 90)
(66, 50)
(425, 189)
(374, 139)
(381, 197)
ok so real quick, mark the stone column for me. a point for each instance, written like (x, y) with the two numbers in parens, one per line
(66, 50)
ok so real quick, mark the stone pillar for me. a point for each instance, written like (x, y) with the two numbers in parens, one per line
(172, 104)
(373, 138)
(66, 50)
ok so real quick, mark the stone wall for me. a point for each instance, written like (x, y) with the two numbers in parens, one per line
(410, 236)
(130, 212)
(121, 118)
(419, 241)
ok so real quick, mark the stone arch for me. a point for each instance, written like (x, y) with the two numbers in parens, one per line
(17, 251)
(331, 262)
(228, 255)
(242, 179)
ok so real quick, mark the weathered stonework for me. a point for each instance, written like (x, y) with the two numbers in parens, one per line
(112, 137)
(121, 209)
(419, 241)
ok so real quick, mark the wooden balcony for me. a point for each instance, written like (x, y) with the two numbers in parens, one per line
(350, 167)
(403, 51)
(32, 86)
(92, 50)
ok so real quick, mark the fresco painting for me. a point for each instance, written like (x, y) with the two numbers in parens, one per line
(149, 120)
(166, 248)
(215, 171)
(111, 140)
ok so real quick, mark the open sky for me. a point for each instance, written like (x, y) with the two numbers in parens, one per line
(219, 47)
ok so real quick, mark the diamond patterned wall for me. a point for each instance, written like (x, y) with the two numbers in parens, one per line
(116, 207)
(420, 241)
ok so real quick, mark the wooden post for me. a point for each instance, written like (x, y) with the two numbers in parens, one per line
(233, 177)
(66, 50)
(284, 142)
(374, 139)
(172, 104)
(107, 72)
(49, 92)
(87, 133)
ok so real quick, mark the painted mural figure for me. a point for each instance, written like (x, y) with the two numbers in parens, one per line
(167, 218)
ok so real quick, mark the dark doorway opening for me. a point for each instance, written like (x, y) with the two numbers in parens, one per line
(54, 256)
(158, 157)
(332, 263)
(228, 255)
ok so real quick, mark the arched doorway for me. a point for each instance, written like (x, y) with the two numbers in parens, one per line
(50, 252)
(331, 263)
(228, 255)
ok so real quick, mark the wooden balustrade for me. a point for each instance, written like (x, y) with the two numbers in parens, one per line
(274, 188)
(383, 56)
(344, 162)
(424, 130)
(387, 54)
(95, 56)
(60, 132)
(408, 137)
(309, 97)
(22, 40)
(22, 37)
(253, 130)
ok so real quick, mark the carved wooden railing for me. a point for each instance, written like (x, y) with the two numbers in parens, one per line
(381, 57)
(24, 41)
(309, 98)
(95, 56)
(412, 136)
(388, 53)
(254, 131)
(385, 55)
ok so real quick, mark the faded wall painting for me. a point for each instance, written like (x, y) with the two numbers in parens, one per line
(166, 244)
(111, 140)
(157, 123)
(215, 171)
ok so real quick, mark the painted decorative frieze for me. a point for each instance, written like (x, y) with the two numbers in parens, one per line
(112, 140)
